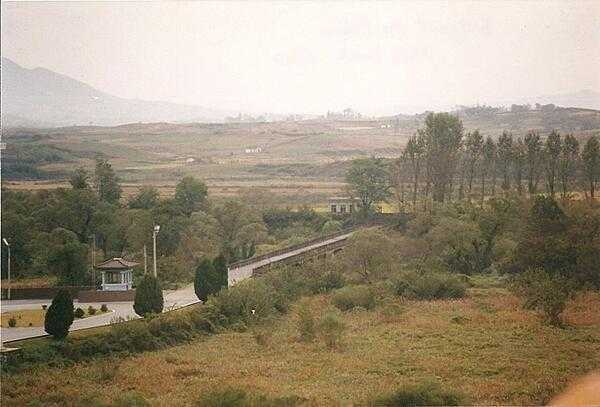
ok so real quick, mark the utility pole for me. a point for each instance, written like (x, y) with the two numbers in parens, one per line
(145, 261)
(8, 268)
(154, 233)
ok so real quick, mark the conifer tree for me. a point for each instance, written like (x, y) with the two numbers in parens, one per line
(60, 315)
(148, 297)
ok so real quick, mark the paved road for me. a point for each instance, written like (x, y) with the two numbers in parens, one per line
(173, 300)
(238, 274)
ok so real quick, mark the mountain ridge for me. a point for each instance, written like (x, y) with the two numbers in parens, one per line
(42, 97)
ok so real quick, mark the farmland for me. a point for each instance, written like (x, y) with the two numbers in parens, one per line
(301, 162)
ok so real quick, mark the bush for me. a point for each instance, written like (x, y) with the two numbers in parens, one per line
(91, 310)
(357, 296)
(306, 323)
(544, 292)
(328, 281)
(331, 329)
(429, 286)
(240, 398)
(59, 316)
(148, 297)
(79, 313)
(424, 394)
(236, 305)
(12, 322)
(103, 308)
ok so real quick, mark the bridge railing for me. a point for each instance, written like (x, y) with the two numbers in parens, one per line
(298, 246)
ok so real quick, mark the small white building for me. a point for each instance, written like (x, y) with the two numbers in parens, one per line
(117, 274)
(253, 150)
(341, 205)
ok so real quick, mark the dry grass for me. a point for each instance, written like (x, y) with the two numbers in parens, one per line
(485, 346)
(32, 317)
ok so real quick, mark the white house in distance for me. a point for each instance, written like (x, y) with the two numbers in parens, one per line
(253, 150)
(341, 205)
(117, 274)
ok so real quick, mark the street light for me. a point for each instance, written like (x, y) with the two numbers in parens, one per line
(154, 233)
(8, 245)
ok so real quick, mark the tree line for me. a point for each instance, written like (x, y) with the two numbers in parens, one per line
(443, 162)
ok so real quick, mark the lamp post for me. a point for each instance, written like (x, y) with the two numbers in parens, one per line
(154, 233)
(93, 238)
(8, 268)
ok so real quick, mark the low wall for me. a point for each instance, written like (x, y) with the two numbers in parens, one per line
(106, 296)
(43, 293)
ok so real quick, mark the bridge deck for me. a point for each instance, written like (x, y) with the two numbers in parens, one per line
(237, 274)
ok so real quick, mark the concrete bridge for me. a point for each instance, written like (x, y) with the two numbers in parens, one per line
(316, 248)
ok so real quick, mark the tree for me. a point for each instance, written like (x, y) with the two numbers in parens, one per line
(545, 292)
(505, 151)
(190, 194)
(220, 267)
(80, 178)
(368, 252)
(534, 156)
(106, 182)
(474, 148)
(443, 134)
(519, 157)
(567, 165)
(146, 198)
(208, 280)
(413, 153)
(238, 228)
(148, 297)
(67, 257)
(60, 315)
(489, 163)
(591, 163)
(368, 180)
(552, 152)
(544, 241)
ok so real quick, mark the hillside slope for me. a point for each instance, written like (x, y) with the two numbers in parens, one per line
(40, 97)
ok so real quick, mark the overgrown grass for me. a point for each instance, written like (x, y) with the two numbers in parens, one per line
(497, 354)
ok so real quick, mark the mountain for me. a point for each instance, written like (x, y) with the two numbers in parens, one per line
(40, 97)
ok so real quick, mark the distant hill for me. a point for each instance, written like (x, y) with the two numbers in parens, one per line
(43, 98)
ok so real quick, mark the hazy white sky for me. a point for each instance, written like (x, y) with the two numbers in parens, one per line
(309, 56)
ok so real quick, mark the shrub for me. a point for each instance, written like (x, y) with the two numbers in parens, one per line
(103, 308)
(59, 316)
(544, 292)
(357, 296)
(91, 310)
(79, 313)
(133, 336)
(106, 371)
(12, 322)
(429, 286)
(131, 399)
(424, 394)
(306, 323)
(236, 305)
(331, 329)
(148, 297)
(240, 398)
(328, 281)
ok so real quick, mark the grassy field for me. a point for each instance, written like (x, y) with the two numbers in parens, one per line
(484, 346)
(32, 317)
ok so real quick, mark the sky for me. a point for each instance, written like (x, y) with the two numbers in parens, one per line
(311, 57)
